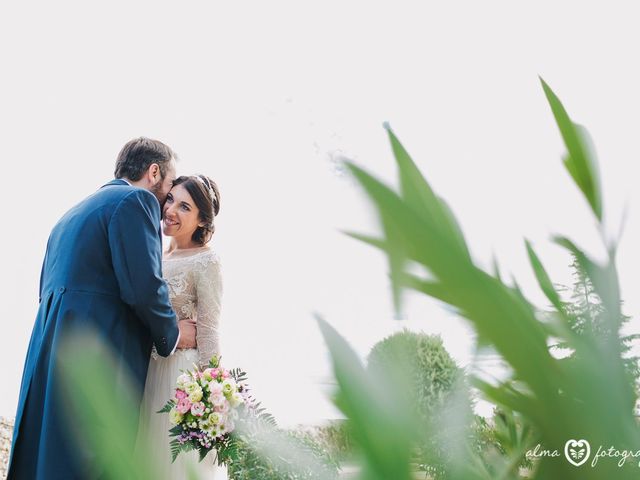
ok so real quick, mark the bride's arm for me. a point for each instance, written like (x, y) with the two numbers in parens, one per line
(209, 304)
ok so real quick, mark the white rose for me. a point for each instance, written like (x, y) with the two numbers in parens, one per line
(236, 399)
(192, 387)
(229, 386)
(214, 418)
(196, 395)
(175, 416)
(183, 380)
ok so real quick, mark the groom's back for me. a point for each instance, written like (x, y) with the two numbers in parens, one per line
(80, 293)
(78, 252)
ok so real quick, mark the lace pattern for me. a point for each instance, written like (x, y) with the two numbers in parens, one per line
(195, 290)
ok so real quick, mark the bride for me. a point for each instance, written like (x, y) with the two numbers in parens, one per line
(192, 271)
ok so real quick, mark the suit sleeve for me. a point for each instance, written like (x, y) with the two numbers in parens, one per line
(136, 253)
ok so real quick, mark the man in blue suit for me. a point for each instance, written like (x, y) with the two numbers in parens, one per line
(101, 273)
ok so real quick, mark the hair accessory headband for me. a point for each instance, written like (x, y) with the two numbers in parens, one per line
(208, 187)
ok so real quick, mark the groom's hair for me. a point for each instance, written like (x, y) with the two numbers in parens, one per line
(138, 154)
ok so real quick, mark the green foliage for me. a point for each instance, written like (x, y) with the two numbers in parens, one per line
(513, 435)
(434, 378)
(251, 463)
(168, 406)
(432, 371)
(105, 421)
(378, 409)
(501, 444)
(589, 398)
(580, 160)
(587, 318)
(335, 438)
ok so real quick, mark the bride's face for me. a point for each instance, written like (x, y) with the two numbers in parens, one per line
(180, 214)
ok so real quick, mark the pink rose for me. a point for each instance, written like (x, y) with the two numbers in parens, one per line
(197, 409)
(226, 374)
(215, 388)
(183, 405)
(217, 399)
(180, 394)
(222, 407)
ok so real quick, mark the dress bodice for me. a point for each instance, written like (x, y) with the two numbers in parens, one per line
(195, 290)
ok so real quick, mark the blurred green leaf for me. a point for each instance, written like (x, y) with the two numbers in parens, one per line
(581, 162)
(416, 237)
(543, 278)
(417, 193)
(106, 413)
(377, 408)
(373, 241)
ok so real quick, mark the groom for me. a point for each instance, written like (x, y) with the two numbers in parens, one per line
(101, 271)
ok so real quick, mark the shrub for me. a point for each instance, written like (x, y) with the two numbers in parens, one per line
(433, 377)
(432, 371)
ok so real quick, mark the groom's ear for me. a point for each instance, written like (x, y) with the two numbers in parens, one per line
(154, 173)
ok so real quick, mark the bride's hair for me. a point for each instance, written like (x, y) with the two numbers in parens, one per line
(206, 196)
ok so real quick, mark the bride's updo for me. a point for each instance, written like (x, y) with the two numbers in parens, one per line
(206, 196)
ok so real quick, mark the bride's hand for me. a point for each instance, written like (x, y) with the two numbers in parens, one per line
(187, 334)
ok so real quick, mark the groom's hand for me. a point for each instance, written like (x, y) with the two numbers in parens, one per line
(187, 334)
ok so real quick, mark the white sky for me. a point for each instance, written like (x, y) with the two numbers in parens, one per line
(262, 96)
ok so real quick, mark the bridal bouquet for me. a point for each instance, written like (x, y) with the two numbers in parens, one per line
(206, 405)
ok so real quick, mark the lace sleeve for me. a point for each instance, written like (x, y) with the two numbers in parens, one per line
(209, 303)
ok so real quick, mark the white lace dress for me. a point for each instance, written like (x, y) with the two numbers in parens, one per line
(195, 290)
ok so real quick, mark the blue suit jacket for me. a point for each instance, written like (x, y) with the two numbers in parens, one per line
(102, 270)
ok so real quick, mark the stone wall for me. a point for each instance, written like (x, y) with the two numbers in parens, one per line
(6, 432)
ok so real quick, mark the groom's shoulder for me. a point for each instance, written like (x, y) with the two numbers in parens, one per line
(119, 190)
(118, 196)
